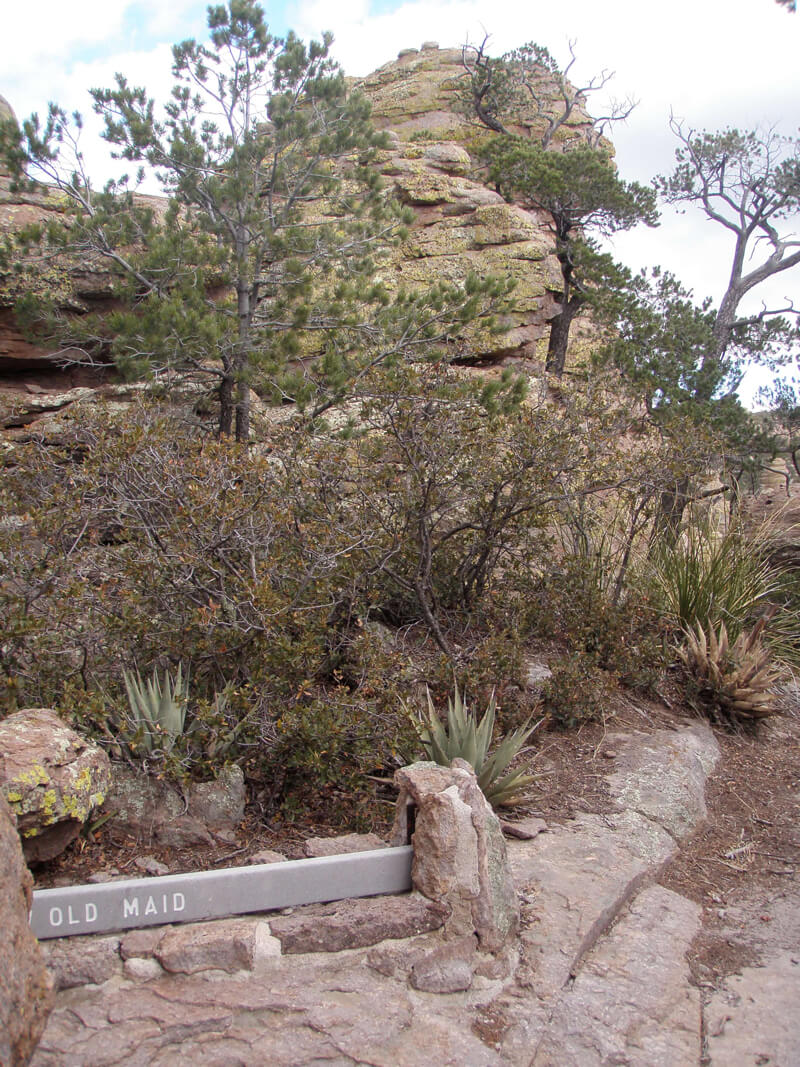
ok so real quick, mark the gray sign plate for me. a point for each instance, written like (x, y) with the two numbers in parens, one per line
(96, 909)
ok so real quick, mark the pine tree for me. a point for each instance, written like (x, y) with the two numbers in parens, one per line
(559, 164)
(265, 258)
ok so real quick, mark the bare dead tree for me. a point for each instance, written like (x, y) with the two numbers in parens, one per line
(527, 82)
(749, 183)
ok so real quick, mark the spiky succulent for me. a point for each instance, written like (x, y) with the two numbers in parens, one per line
(466, 738)
(157, 710)
(739, 679)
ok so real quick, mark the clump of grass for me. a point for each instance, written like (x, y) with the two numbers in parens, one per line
(709, 577)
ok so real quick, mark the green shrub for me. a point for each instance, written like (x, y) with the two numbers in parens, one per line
(573, 608)
(328, 749)
(578, 692)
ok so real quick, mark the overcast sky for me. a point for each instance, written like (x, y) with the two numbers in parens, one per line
(713, 63)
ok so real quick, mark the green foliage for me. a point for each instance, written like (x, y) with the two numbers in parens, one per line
(580, 191)
(711, 576)
(578, 692)
(466, 738)
(157, 709)
(621, 637)
(660, 339)
(328, 745)
(262, 270)
(577, 187)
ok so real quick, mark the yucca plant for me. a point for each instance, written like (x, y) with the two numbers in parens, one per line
(157, 709)
(709, 577)
(739, 679)
(466, 738)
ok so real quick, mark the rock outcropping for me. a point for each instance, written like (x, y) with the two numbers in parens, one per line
(460, 226)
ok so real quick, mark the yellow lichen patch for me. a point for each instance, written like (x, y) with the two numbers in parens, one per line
(35, 775)
(48, 806)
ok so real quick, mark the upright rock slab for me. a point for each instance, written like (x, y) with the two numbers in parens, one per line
(460, 856)
(26, 989)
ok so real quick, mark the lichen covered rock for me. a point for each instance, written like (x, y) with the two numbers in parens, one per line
(52, 779)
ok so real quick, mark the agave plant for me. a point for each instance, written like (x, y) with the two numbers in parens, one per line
(737, 678)
(157, 709)
(466, 738)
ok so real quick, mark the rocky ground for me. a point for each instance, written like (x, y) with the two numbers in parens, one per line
(661, 925)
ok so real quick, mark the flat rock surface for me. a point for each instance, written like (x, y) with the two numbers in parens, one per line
(573, 882)
(755, 1018)
(598, 974)
(632, 1003)
(663, 776)
(296, 1010)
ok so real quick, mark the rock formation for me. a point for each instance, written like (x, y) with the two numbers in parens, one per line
(459, 853)
(459, 226)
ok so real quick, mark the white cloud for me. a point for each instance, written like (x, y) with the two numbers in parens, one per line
(53, 29)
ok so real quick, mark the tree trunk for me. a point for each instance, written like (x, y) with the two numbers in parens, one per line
(559, 335)
(671, 507)
(242, 411)
(226, 406)
(242, 358)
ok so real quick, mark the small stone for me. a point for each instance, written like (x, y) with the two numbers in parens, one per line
(226, 837)
(267, 947)
(355, 923)
(142, 970)
(139, 944)
(100, 877)
(266, 855)
(82, 961)
(337, 846)
(448, 969)
(227, 945)
(524, 831)
(150, 865)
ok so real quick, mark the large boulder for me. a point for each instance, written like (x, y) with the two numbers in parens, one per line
(52, 779)
(154, 811)
(26, 989)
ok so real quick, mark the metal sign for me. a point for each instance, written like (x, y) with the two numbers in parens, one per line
(176, 898)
